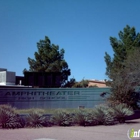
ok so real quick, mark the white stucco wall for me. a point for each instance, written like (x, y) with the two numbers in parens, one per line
(7, 78)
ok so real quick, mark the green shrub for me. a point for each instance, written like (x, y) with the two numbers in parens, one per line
(8, 117)
(121, 111)
(90, 119)
(103, 115)
(109, 118)
(84, 117)
(62, 118)
(7, 108)
(80, 116)
(35, 119)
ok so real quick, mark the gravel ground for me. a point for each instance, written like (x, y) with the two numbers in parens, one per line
(115, 132)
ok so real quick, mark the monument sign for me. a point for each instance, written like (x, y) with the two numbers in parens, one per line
(52, 97)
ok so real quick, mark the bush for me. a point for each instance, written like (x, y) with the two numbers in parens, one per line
(84, 117)
(8, 117)
(121, 111)
(80, 116)
(8, 108)
(100, 115)
(62, 118)
(103, 115)
(35, 119)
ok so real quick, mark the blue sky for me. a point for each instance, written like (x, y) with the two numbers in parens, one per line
(81, 27)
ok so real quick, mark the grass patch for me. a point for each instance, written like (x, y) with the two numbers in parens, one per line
(43, 111)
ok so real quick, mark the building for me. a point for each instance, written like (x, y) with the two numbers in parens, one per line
(30, 79)
(96, 83)
(38, 79)
(7, 77)
(42, 79)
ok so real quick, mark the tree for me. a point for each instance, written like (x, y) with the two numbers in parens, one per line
(121, 69)
(70, 83)
(49, 59)
(82, 84)
(128, 41)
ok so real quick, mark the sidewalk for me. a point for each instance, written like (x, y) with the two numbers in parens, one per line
(115, 132)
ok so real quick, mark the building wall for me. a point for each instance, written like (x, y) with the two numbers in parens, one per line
(52, 97)
(43, 79)
(97, 83)
(2, 77)
(10, 78)
(7, 78)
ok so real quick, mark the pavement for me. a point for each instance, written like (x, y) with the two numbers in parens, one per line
(114, 132)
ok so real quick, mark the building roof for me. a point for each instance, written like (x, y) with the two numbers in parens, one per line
(97, 81)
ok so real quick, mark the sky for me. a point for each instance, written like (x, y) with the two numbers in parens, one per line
(81, 27)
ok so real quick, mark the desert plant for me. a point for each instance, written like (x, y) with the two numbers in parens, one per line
(103, 115)
(84, 117)
(109, 118)
(8, 118)
(62, 118)
(80, 116)
(90, 120)
(99, 114)
(35, 119)
(121, 111)
(7, 107)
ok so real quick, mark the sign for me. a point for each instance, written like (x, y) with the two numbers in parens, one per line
(52, 97)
